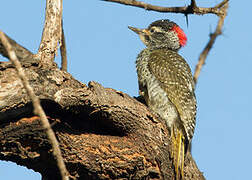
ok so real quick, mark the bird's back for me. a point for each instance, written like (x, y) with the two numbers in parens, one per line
(166, 82)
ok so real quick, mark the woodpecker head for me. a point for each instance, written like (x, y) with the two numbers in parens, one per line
(162, 34)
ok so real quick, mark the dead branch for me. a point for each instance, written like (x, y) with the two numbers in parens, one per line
(213, 37)
(21, 52)
(36, 105)
(63, 51)
(191, 9)
(51, 36)
(103, 133)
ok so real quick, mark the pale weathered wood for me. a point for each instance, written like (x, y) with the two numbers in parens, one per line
(103, 133)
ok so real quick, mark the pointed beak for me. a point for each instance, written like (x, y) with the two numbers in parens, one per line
(140, 31)
(136, 30)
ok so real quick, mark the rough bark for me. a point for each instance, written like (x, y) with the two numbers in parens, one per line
(103, 133)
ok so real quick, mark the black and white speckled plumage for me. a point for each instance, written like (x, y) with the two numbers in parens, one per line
(167, 85)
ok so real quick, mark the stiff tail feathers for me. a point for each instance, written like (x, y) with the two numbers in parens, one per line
(178, 152)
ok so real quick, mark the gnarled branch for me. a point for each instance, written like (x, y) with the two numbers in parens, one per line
(37, 107)
(102, 133)
(209, 45)
(191, 9)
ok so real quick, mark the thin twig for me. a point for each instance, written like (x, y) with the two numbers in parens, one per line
(221, 4)
(184, 10)
(37, 107)
(63, 51)
(208, 47)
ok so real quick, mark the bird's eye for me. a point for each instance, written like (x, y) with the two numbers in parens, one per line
(152, 30)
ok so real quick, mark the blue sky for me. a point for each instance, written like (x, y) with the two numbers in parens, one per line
(101, 48)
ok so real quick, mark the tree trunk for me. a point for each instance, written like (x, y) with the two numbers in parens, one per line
(103, 133)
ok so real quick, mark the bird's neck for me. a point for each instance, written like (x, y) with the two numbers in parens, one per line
(162, 48)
